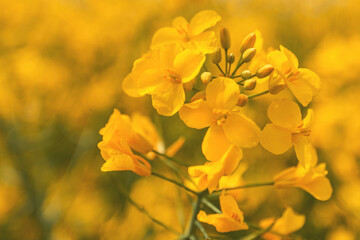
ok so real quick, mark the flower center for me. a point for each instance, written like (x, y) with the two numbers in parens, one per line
(235, 217)
(183, 31)
(221, 116)
(300, 131)
(172, 76)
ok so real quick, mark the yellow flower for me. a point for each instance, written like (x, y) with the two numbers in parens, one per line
(287, 129)
(311, 177)
(162, 73)
(209, 175)
(231, 218)
(288, 223)
(302, 82)
(226, 124)
(120, 135)
(190, 35)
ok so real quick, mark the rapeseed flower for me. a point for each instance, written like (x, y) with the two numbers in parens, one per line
(191, 35)
(162, 73)
(219, 112)
(302, 82)
(287, 129)
(231, 218)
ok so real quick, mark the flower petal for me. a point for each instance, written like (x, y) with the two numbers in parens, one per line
(290, 56)
(167, 98)
(196, 114)
(301, 90)
(305, 152)
(284, 113)
(188, 64)
(230, 160)
(280, 61)
(311, 78)
(165, 35)
(203, 20)
(222, 93)
(149, 80)
(123, 162)
(241, 131)
(204, 42)
(319, 187)
(221, 223)
(275, 139)
(215, 144)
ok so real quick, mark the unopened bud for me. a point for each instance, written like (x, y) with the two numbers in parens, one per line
(199, 95)
(248, 42)
(225, 38)
(275, 89)
(216, 56)
(188, 85)
(206, 77)
(248, 55)
(264, 71)
(231, 58)
(250, 84)
(245, 74)
(242, 100)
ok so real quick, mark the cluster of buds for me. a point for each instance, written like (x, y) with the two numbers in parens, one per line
(248, 80)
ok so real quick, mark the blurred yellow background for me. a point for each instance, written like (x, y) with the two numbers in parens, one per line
(61, 67)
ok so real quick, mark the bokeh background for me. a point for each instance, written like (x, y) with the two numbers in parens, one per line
(61, 67)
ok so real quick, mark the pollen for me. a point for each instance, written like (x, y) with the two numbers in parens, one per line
(172, 76)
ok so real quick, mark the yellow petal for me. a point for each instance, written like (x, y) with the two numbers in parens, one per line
(165, 35)
(221, 222)
(305, 152)
(289, 222)
(301, 91)
(168, 98)
(131, 86)
(311, 78)
(309, 119)
(319, 187)
(124, 162)
(290, 56)
(275, 139)
(196, 114)
(215, 144)
(203, 20)
(188, 64)
(204, 42)
(175, 147)
(286, 178)
(149, 80)
(230, 160)
(222, 93)
(284, 113)
(280, 61)
(180, 22)
(168, 53)
(241, 131)
(229, 206)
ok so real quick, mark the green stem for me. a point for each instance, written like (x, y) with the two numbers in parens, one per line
(246, 186)
(202, 229)
(196, 207)
(170, 158)
(237, 67)
(220, 69)
(141, 209)
(210, 205)
(226, 62)
(258, 94)
(174, 182)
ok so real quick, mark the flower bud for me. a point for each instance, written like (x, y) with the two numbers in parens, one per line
(248, 42)
(264, 71)
(275, 89)
(206, 77)
(231, 58)
(198, 95)
(248, 55)
(216, 56)
(245, 74)
(188, 85)
(242, 100)
(225, 38)
(250, 84)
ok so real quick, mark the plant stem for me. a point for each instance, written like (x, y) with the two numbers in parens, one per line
(202, 229)
(196, 207)
(174, 182)
(210, 205)
(170, 158)
(258, 94)
(226, 62)
(141, 209)
(237, 67)
(246, 186)
(220, 69)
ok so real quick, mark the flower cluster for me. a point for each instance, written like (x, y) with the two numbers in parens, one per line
(168, 73)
